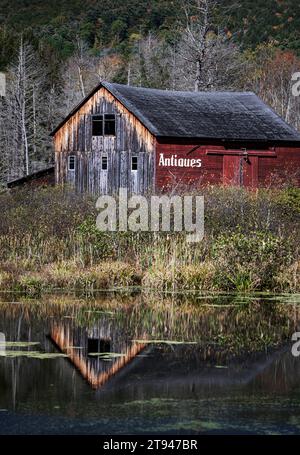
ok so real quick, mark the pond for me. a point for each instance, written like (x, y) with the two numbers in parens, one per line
(138, 363)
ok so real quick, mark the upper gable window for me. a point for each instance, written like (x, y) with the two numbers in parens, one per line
(97, 125)
(104, 125)
(109, 125)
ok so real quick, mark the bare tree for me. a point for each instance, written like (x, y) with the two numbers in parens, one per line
(23, 129)
(82, 72)
(206, 59)
(270, 77)
(149, 64)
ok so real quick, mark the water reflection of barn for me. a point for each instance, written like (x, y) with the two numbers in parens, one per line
(112, 342)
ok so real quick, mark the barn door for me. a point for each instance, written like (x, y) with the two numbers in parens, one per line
(240, 170)
(232, 170)
(250, 171)
(104, 169)
(130, 166)
(134, 168)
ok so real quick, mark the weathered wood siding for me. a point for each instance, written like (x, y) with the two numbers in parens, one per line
(132, 139)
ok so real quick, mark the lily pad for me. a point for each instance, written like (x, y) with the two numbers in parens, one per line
(18, 344)
(163, 342)
(106, 355)
(34, 354)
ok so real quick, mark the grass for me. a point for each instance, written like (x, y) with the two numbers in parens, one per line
(48, 240)
(73, 276)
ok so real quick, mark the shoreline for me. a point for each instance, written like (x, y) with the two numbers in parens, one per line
(117, 275)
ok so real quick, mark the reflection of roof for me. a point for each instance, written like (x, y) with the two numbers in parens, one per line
(85, 366)
(236, 116)
(176, 370)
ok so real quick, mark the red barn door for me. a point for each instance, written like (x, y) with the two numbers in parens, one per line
(250, 172)
(239, 170)
(231, 170)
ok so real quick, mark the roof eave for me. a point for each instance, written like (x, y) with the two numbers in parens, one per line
(75, 109)
(115, 95)
(294, 142)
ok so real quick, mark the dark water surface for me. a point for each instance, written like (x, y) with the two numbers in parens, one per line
(115, 363)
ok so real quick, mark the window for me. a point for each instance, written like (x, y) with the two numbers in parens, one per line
(93, 345)
(97, 125)
(104, 163)
(109, 125)
(104, 345)
(104, 125)
(98, 345)
(134, 163)
(71, 162)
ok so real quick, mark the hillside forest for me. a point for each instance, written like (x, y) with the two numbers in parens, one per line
(53, 53)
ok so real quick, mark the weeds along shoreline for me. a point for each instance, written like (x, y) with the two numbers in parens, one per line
(49, 240)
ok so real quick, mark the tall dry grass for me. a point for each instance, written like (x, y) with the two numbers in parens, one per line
(48, 239)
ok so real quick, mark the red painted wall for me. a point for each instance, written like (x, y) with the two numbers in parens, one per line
(284, 168)
(256, 169)
(210, 172)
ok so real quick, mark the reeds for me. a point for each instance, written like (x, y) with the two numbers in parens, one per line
(48, 240)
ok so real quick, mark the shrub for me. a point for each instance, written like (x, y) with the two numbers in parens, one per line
(62, 274)
(249, 262)
(289, 199)
(31, 284)
(182, 277)
(288, 278)
(107, 275)
(100, 243)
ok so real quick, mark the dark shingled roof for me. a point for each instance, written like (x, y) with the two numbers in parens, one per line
(236, 116)
(47, 172)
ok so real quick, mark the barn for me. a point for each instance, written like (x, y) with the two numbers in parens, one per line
(150, 140)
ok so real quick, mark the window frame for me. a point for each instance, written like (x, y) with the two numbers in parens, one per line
(103, 158)
(137, 163)
(71, 169)
(107, 121)
(102, 118)
(97, 118)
